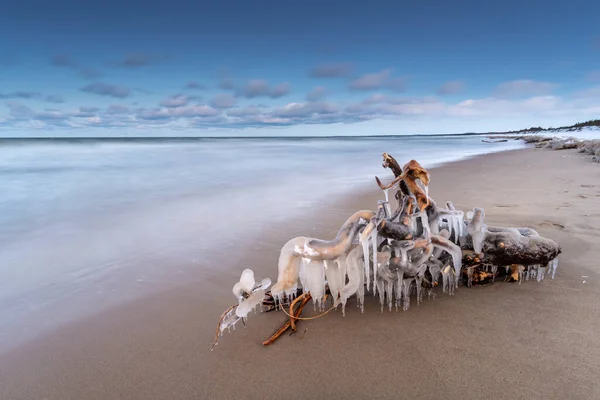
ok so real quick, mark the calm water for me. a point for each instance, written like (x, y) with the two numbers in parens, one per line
(84, 223)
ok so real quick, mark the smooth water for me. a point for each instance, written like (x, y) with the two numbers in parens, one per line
(89, 219)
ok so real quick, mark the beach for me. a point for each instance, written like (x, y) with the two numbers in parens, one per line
(537, 340)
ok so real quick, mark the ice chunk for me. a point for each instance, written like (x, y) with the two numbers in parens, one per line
(250, 303)
(477, 228)
(264, 284)
(228, 321)
(245, 285)
(247, 280)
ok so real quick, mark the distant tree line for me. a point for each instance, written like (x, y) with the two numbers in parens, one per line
(577, 126)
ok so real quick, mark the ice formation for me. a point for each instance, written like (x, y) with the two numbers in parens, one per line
(397, 255)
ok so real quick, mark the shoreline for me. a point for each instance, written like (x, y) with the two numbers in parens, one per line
(157, 346)
(179, 236)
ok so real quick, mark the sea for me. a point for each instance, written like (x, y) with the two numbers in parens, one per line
(86, 224)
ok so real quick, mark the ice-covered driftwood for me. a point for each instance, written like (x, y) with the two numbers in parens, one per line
(395, 253)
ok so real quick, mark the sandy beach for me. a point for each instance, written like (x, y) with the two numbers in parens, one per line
(501, 341)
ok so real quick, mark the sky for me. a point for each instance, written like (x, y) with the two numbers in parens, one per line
(266, 68)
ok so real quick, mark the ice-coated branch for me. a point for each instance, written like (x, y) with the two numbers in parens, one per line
(394, 255)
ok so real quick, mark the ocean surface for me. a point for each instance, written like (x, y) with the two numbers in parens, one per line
(86, 224)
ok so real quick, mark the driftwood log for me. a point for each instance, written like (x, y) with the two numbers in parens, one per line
(395, 254)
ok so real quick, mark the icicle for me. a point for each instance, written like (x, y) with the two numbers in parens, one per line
(448, 283)
(334, 279)
(435, 270)
(425, 223)
(541, 273)
(388, 209)
(399, 290)
(365, 247)
(390, 294)
(418, 285)
(532, 272)
(374, 244)
(381, 288)
(387, 197)
(406, 290)
(553, 265)
(470, 276)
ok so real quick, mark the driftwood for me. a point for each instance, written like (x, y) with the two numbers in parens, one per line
(395, 255)
(291, 322)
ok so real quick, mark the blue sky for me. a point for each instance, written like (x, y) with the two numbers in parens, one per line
(109, 68)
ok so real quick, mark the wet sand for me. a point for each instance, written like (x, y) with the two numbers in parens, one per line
(529, 341)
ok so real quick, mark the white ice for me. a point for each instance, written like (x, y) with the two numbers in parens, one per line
(541, 273)
(553, 265)
(250, 303)
(245, 285)
(374, 245)
(364, 241)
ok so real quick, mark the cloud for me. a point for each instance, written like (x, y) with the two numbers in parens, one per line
(589, 93)
(107, 89)
(261, 88)
(316, 94)
(55, 99)
(89, 109)
(32, 95)
(244, 112)
(451, 87)
(67, 61)
(115, 109)
(223, 100)
(20, 95)
(195, 86)
(178, 112)
(305, 109)
(523, 88)
(379, 80)
(375, 98)
(418, 111)
(177, 100)
(332, 70)
(140, 59)
(19, 111)
(225, 80)
(280, 90)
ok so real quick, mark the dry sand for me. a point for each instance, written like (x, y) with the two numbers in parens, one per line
(503, 341)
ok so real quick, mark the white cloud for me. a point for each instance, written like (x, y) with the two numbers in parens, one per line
(524, 88)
